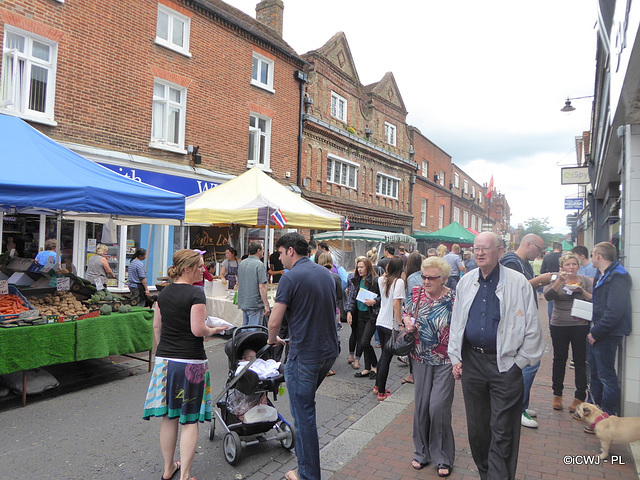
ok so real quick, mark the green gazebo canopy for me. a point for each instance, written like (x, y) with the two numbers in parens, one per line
(452, 233)
(566, 246)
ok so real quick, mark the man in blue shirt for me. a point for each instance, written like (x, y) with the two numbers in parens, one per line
(495, 332)
(306, 298)
(586, 267)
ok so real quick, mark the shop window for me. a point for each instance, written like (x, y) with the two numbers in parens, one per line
(28, 75)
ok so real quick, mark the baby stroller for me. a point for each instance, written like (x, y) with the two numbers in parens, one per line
(247, 386)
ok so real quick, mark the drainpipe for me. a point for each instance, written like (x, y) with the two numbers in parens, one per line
(301, 77)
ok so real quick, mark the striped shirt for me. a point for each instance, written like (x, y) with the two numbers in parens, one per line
(136, 272)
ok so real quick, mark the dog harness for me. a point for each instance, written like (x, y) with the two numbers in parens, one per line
(601, 417)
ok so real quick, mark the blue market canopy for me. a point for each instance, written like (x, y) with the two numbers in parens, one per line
(37, 172)
(452, 233)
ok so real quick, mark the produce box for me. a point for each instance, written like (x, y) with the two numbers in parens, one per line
(30, 313)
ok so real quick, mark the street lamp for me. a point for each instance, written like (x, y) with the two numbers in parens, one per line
(567, 105)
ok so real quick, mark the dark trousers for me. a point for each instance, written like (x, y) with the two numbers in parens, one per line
(561, 338)
(493, 402)
(354, 339)
(385, 359)
(366, 327)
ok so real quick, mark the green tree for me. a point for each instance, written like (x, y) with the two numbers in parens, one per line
(540, 227)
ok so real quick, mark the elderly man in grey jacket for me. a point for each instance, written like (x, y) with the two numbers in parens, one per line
(495, 332)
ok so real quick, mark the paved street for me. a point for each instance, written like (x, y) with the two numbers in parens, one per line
(91, 428)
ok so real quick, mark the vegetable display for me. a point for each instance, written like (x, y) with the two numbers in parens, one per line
(61, 303)
(11, 305)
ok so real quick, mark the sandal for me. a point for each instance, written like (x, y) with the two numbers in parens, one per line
(177, 465)
(292, 475)
(444, 466)
(356, 364)
(418, 465)
(331, 372)
(364, 373)
(406, 380)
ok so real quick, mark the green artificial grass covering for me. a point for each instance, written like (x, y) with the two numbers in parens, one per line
(114, 334)
(24, 348)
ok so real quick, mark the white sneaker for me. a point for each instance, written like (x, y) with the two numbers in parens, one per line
(527, 421)
(531, 412)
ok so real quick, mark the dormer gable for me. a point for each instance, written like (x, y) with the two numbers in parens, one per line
(387, 91)
(337, 52)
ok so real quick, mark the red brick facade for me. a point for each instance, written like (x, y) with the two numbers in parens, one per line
(107, 61)
(356, 140)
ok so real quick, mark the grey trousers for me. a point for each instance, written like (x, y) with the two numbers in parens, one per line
(432, 433)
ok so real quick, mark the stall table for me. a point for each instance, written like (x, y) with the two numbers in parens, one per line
(223, 307)
(25, 348)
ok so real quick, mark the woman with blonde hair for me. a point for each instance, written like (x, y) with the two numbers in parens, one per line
(428, 313)
(98, 266)
(180, 389)
(568, 330)
(442, 250)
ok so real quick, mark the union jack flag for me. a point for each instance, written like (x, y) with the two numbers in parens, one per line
(279, 218)
(347, 224)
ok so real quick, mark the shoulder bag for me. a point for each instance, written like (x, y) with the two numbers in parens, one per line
(402, 343)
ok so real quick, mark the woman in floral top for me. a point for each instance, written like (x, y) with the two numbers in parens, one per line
(434, 383)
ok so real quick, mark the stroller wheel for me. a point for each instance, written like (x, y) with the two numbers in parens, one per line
(290, 440)
(212, 428)
(232, 447)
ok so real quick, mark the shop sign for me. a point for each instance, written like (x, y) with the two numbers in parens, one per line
(63, 284)
(173, 183)
(573, 203)
(575, 176)
(4, 287)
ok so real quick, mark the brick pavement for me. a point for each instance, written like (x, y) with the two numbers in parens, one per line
(388, 455)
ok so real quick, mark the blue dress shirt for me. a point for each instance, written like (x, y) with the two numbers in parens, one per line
(484, 314)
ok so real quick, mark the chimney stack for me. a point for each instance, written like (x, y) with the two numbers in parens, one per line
(269, 13)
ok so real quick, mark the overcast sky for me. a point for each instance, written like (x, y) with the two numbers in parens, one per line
(485, 81)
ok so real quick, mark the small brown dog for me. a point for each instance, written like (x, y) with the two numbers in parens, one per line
(609, 429)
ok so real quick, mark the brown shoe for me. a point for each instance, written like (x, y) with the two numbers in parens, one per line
(556, 403)
(574, 405)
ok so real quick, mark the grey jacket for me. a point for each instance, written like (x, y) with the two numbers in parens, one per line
(519, 338)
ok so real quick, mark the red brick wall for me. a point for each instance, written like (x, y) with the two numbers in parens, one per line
(106, 64)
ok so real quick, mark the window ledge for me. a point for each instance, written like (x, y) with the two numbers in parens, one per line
(341, 185)
(168, 148)
(264, 168)
(164, 44)
(262, 86)
(29, 117)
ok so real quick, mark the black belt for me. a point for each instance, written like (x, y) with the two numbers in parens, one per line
(484, 351)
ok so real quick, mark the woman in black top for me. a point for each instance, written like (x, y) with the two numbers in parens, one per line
(180, 390)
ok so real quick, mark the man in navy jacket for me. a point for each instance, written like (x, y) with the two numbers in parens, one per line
(611, 323)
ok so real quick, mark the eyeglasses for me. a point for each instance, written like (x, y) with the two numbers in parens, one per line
(431, 279)
(537, 246)
(482, 249)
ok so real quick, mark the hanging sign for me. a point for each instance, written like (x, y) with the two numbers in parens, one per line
(574, 176)
(573, 203)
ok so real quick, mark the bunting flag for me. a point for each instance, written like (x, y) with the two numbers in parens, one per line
(347, 224)
(490, 189)
(279, 218)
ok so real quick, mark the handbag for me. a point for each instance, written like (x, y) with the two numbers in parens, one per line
(403, 343)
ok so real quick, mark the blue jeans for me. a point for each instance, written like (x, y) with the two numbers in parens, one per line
(252, 317)
(528, 375)
(303, 379)
(604, 381)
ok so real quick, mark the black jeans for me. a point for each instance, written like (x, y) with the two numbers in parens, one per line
(385, 359)
(561, 337)
(354, 338)
(366, 327)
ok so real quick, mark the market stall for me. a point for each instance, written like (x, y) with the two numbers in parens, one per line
(25, 348)
(249, 200)
(54, 180)
(452, 233)
(358, 242)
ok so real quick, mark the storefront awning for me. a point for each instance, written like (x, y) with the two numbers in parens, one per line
(37, 172)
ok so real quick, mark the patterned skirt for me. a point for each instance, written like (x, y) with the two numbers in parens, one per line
(179, 390)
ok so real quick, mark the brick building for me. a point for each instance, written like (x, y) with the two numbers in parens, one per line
(181, 94)
(356, 155)
(469, 205)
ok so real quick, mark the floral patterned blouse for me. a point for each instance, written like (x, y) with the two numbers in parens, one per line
(434, 319)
